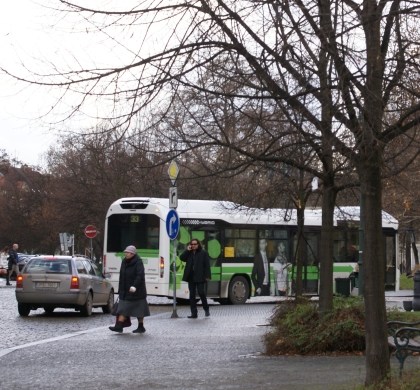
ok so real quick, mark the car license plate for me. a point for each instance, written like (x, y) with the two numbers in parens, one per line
(46, 285)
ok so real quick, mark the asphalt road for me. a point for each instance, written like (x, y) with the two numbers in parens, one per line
(223, 351)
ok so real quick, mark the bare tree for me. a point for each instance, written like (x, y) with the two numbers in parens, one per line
(340, 66)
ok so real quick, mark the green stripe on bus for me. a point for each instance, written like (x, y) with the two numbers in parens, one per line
(141, 253)
(310, 272)
(148, 252)
(343, 268)
(237, 270)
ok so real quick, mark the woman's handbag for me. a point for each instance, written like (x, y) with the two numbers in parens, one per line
(115, 308)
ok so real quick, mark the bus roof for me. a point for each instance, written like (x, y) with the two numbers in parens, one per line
(237, 214)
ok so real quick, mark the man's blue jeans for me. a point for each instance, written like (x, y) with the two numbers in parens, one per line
(192, 286)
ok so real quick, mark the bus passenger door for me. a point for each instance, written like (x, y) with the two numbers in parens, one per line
(210, 239)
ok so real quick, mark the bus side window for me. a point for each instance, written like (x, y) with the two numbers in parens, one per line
(242, 240)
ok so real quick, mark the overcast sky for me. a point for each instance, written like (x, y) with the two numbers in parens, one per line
(30, 35)
(33, 35)
(20, 136)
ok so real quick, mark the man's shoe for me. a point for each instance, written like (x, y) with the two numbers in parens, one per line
(193, 316)
(140, 329)
(8, 284)
(207, 313)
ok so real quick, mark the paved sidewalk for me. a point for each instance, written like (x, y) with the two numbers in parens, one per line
(223, 351)
(219, 352)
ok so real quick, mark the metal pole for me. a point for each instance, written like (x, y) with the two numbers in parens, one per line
(91, 250)
(174, 313)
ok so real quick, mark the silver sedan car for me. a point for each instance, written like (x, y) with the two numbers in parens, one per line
(63, 281)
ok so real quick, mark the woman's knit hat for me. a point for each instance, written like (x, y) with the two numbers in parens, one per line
(131, 249)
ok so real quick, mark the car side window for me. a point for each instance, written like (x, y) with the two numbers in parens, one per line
(89, 268)
(80, 267)
(97, 270)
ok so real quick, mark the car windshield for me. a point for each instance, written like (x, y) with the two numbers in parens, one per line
(42, 266)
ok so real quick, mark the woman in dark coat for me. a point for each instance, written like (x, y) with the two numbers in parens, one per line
(197, 273)
(132, 291)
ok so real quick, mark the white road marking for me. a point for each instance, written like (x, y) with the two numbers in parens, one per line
(6, 351)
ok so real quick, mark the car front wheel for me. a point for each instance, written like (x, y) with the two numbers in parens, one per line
(86, 309)
(24, 309)
(110, 303)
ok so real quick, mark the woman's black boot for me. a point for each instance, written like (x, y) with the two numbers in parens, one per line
(117, 328)
(140, 328)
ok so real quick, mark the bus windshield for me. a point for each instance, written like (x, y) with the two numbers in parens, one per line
(142, 231)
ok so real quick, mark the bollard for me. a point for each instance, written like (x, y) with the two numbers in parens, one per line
(416, 300)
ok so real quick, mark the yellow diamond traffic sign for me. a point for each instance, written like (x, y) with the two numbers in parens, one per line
(173, 171)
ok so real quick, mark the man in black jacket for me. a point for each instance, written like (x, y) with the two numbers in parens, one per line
(13, 260)
(196, 273)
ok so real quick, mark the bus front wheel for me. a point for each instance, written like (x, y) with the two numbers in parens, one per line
(238, 290)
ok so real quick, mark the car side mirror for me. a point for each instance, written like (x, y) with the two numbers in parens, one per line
(107, 275)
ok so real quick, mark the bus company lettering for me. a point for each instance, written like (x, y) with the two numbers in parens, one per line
(197, 222)
(145, 260)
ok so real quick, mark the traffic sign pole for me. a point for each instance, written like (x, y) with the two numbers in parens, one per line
(172, 228)
(173, 221)
(174, 313)
(91, 232)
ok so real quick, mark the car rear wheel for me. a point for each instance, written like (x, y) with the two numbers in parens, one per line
(110, 304)
(86, 309)
(24, 309)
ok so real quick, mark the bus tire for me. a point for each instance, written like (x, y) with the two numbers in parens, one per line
(238, 290)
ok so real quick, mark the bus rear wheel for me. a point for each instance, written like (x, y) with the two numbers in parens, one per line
(238, 290)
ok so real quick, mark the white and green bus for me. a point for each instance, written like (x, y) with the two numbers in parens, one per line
(236, 238)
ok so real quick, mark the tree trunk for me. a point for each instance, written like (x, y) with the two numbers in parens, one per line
(369, 166)
(300, 250)
(377, 352)
(327, 249)
(328, 192)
